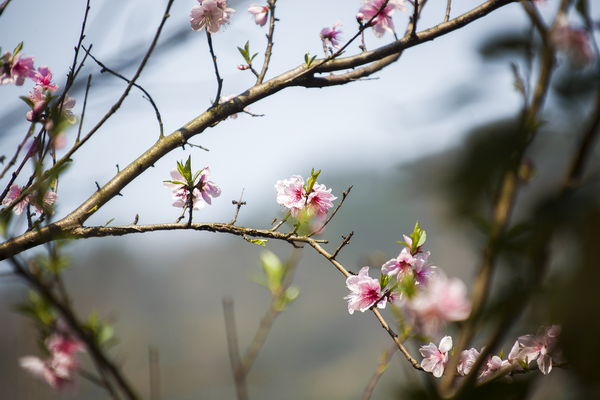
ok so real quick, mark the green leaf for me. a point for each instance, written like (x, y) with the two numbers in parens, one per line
(261, 242)
(27, 100)
(312, 180)
(308, 60)
(384, 280)
(18, 49)
(255, 54)
(109, 221)
(273, 269)
(288, 297)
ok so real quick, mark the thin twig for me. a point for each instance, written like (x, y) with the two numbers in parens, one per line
(239, 375)
(148, 97)
(269, 50)
(219, 80)
(87, 89)
(239, 205)
(447, 17)
(381, 367)
(341, 246)
(344, 195)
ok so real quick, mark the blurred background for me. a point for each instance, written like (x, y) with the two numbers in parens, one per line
(404, 139)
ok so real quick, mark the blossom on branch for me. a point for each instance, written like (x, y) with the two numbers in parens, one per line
(58, 369)
(540, 347)
(47, 201)
(493, 364)
(401, 265)
(331, 36)
(364, 292)
(207, 188)
(43, 78)
(38, 98)
(210, 14)
(467, 360)
(312, 199)
(383, 20)
(444, 300)
(181, 192)
(436, 358)
(14, 69)
(260, 13)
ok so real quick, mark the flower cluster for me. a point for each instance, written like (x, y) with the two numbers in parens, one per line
(210, 14)
(304, 201)
(383, 19)
(14, 68)
(540, 348)
(58, 369)
(47, 201)
(183, 184)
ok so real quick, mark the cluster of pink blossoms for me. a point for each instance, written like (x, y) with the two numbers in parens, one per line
(436, 301)
(16, 68)
(48, 200)
(204, 189)
(298, 199)
(58, 369)
(383, 20)
(528, 349)
(210, 14)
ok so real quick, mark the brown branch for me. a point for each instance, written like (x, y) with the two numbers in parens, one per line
(299, 76)
(214, 59)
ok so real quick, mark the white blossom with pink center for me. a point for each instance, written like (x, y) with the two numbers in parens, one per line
(364, 292)
(467, 360)
(383, 21)
(319, 201)
(260, 13)
(401, 265)
(210, 14)
(435, 358)
(207, 188)
(180, 192)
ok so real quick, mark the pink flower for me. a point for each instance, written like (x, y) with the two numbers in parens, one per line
(15, 69)
(467, 360)
(435, 359)
(38, 98)
(58, 369)
(210, 14)
(47, 201)
(364, 292)
(575, 43)
(401, 266)
(331, 37)
(445, 300)
(423, 272)
(540, 347)
(260, 13)
(383, 21)
(67, 105)
(180, 192)
(43, 77)
(491, 365)
(292, 195)
(319, 202)
(207, 188)
(15, 191)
